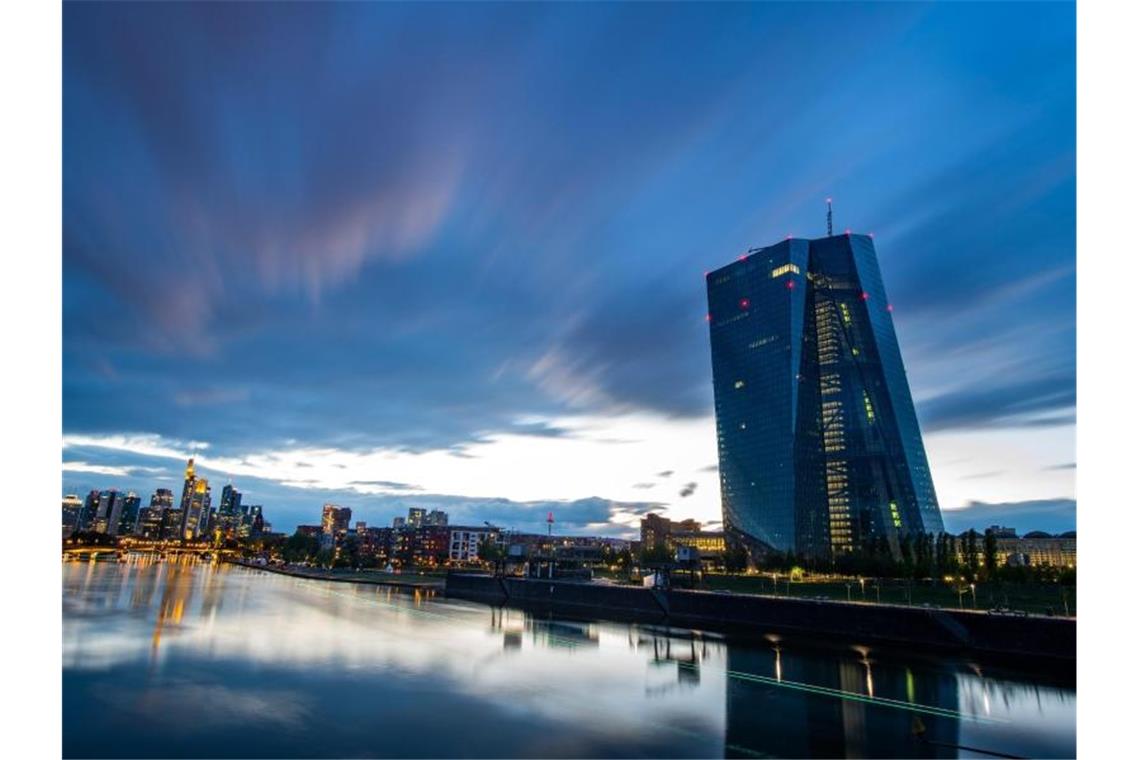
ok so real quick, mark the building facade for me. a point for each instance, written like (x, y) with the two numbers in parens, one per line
(465, 542)
(819, 445)
(335, 519)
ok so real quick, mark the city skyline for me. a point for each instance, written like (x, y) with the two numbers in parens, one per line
(480, 286)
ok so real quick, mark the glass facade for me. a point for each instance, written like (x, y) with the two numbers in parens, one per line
(819, 445)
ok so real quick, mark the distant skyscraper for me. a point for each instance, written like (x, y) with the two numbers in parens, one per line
(819, 445)
(416, 517)
(195, 504)
(129, 516)
(72, 512)
(435, 518)
(108, 512)
(231, 501)
(151, 517)
(90, 509)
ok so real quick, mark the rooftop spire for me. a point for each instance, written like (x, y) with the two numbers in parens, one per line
(829, 217)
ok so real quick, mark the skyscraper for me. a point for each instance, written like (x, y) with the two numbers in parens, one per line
(129, 516)
(151, 517)
(820, 450)
(108, 511)
(72, 511)
(90, 509)
(195, 505)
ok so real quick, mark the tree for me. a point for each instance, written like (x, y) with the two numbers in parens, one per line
(972, 551)
(990, 551)
(300, 547)
(324, 558)
(735, 559)
(656, 555)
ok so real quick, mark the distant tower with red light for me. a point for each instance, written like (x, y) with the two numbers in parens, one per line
(819, 445)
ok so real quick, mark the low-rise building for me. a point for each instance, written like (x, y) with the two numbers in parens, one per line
(465, 542)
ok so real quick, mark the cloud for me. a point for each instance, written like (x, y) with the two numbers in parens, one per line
(665, 474)
(387, 485)
(688, 490)
(96, 469)
(1044, 401)
(1049, 515)
(984, 475)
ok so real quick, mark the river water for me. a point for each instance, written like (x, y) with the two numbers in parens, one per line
(187, 659)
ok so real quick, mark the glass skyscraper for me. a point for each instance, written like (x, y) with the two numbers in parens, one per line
(820, 449)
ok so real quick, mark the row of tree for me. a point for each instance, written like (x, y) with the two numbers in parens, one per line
(973, 556)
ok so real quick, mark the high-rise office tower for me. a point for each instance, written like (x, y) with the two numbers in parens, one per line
(90, 509)
(129, 516)
(108, 511)
(195, 504)
(151, 517)
(72, 512)
(820, 450)
(231, 501)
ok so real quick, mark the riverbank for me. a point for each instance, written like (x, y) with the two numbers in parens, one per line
(938, 630)
(363, 577)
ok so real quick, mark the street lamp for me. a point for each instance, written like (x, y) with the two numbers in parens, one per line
(863, 587)
(974, 594)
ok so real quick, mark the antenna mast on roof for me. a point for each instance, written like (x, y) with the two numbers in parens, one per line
(829, 217)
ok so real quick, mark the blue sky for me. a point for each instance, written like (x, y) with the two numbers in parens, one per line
(452, 255)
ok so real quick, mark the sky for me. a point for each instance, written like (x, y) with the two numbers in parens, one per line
(453, 256)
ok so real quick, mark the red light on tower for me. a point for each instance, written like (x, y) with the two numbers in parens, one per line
(890, 307)
(864, 296)
(708, 317)
(745, 303)
(847, 231)
(791, 284)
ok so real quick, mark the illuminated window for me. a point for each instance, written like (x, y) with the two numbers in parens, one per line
(785, 269)
(738, 384)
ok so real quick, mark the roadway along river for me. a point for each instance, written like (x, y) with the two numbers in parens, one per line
(185, 659)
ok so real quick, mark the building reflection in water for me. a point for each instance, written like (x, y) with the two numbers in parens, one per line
(777, 715)
(601, 688)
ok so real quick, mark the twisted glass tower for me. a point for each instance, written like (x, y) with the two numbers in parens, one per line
(820, 449)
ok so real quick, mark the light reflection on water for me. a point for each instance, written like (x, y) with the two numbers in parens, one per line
(187, 659)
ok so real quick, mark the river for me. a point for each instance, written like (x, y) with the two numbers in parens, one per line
(188, 659)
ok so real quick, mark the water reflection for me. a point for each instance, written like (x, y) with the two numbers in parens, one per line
(342, 670)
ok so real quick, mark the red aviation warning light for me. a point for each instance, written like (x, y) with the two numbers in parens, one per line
(890, 307)
(791, 284)
(744, 304)
(864, 296)
(708, 317)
